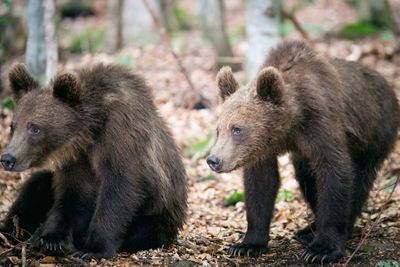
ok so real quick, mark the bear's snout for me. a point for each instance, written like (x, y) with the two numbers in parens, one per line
(214, 163)
(8, 161)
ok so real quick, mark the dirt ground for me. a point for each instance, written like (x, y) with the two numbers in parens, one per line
(211, 227)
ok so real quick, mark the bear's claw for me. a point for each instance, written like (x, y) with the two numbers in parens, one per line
(321, 257)
(247, 250)
(52, 246)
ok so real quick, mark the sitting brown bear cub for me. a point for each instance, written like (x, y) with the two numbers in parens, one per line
(114, 179)
(339, 121)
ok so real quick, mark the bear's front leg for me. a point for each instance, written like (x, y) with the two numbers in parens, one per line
(31, 207)
(333, 172)
(261, 183)
(72, 208)
(117, 202)
(55, 234)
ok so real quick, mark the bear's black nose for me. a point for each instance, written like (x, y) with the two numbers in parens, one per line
(214, 163)
(8, 161)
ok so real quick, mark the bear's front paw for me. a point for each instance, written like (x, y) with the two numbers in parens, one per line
(249, 250)
(323, 252)
(56, 243)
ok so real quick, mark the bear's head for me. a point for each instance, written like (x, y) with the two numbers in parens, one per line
(254, 119)
(45, 121)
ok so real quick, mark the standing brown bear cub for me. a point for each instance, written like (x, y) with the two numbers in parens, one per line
(114, 179)
(339, 121)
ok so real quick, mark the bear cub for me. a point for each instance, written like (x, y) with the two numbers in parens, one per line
(338, 120)
(112, 177)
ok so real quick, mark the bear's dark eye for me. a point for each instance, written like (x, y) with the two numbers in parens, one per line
(236, 131)
(34, 130)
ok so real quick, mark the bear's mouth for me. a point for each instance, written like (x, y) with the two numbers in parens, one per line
(226, 169)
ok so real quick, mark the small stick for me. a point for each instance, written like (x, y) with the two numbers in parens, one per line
(205, 151)
(231, 261)
(374, 224)
(6, 251)
(15, 220)
(75, 260)
(166, 39)
(23, 255)
(296, 24)
(5, 240)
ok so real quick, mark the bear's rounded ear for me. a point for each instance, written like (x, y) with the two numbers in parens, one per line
(67, 88)
(21, 81)
(269, 85)
(227, 84)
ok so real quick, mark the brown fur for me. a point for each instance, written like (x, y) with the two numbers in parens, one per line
(117, 178)
(337, 118)
(21, 80)
(226, 82)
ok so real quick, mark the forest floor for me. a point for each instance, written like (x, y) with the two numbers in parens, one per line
(211, 227)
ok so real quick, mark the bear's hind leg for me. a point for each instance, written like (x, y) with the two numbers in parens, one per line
(34, 201)
(364, 180)
(72, 209)
(306, 181)
(334, 185)
(147, 232)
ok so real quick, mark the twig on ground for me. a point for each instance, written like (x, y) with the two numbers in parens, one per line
(296, 24)
(15, 220)
(6, 251)
(167, 41)
(5, 240)
(75, 260)
(387, 186)
(204, 152)
(230, 260)
(23, 255)
(374, 224)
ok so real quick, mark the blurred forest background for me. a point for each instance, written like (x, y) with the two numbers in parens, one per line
(178, 46)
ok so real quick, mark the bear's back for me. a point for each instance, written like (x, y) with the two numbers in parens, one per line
(371, 106)
(352, 97)
(113, 84)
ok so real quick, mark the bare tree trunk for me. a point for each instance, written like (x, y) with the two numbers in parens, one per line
(170, 20)
(1, 82)
(113, 39)
(262, 32)
(395, 10)
(196, 96)
(213, 15)
(137, 23)
(36, 44)
(375, 11)
(51, 42)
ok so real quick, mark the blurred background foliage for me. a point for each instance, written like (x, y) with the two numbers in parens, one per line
(128, 22)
